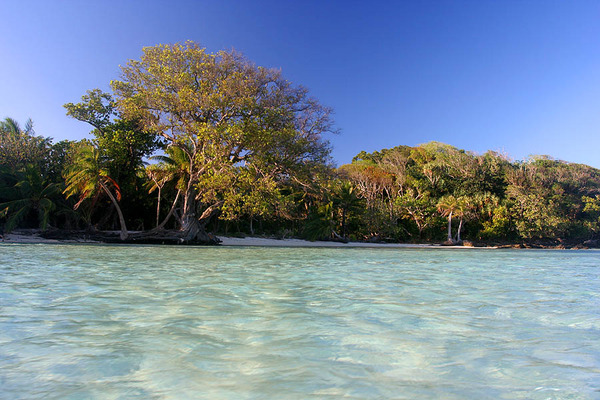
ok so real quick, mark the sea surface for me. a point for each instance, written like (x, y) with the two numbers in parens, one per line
(150, 322)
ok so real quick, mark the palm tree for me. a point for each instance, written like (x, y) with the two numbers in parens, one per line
(485, 203)
(345, 199)
(463, 211)
(174, 165)
(159, 177)
(11, 126)
(30, 193)
(448, 206)
(319, 225)
(19, 146)
(88, 177)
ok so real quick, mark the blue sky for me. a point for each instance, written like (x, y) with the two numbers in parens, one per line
(520, 77)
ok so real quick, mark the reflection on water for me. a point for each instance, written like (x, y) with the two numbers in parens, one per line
(116, 322)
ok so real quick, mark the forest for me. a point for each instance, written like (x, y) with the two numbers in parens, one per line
(190, 145)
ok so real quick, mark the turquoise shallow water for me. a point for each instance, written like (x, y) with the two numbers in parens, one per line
(121, 322)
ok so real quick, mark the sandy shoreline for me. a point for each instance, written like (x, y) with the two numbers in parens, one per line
(37, 239)
(248, 241)
(255, 241)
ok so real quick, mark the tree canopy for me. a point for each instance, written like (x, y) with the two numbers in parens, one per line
(191, 141)
(235, 121)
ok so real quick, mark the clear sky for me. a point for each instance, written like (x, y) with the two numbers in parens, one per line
(521, 77)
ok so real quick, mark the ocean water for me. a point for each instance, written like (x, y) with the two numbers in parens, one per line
(124, 322)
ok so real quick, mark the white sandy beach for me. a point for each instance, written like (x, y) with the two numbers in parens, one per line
(35, 239)
(255, 241)
(248, 241)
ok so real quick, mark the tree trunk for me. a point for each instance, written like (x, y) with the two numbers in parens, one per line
(191, 230)
(458, 239)
(450, 227)
(178, 218)
(170, 213)
(344, 222)
(209, 213)
(124, 232)
(107, 218)
(204, 219)
(189, 223)
(195, 229)
(158, 207)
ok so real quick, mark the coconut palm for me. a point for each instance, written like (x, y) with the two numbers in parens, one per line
(485, 203)
(448, 206)
(173, 165)
(11, 126)
(88, 178)
(159, 177)
(345, 199)
(19, 145)
(31, 193)
(463, 211)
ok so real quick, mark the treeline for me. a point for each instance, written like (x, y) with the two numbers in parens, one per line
(436, 192)
(432, 192)
(191, 142)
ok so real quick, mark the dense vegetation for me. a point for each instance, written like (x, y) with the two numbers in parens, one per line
(192, 142)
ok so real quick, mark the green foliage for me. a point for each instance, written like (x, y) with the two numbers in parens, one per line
(418, 211)
(30, 176)
(319, 225)
(20, 146)
(488, 195)
(241, 142)
(30, 198)
(96, 108)
(59, 156)
(498, 226)
(233, 119)
(123, 145)
(88, 178)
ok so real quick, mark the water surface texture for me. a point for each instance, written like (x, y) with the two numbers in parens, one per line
(123, 322)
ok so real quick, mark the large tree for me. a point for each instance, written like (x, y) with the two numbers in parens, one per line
(122, 144)
(226, 114)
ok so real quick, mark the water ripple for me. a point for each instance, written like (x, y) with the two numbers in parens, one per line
(113, 322)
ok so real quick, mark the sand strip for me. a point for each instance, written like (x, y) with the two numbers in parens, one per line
(248, 241)
(254, 241)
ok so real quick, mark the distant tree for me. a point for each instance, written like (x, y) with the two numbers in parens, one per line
(159, 177)
(371, 180)
(463, 211)
(591, 211)
(347, 202)
(420, 208)
(541, 206)
(20, 146)
(122, 141)
(58, 158)
(449, 206)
